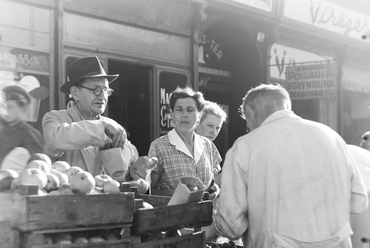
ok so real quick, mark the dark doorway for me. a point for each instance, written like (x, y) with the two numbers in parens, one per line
(129, 104)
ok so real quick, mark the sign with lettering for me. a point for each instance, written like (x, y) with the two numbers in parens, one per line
(211, 56)
(311, 81)
(168, 83)
(282, 57)
(329, 16)
(17, 59)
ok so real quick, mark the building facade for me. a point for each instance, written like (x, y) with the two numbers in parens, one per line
(220, 47)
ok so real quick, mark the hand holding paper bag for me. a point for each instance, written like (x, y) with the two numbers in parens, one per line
(189, 189)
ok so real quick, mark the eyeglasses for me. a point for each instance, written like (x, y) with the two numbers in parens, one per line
(241, 112)
(99, 90)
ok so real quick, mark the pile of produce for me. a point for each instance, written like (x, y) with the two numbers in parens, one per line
(58, 178)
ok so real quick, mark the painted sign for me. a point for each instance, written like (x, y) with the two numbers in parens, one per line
(283, 56)
(20, 59)
(311, 81)
(168, 83)
(328, 16)
(211, 56)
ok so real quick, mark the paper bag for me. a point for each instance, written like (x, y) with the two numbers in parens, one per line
(183, 194)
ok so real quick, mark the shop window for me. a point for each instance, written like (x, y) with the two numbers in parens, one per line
(168, 82)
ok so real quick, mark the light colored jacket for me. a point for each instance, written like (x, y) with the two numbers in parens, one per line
(289, 183)
(70, 138)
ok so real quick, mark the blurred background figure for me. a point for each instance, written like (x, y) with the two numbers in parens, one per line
(19, 140)
(211, 120)
(210, 124)
(365, 143)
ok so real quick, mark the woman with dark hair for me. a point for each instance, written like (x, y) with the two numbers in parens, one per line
(182, 152)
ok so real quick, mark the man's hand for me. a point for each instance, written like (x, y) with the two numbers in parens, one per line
(116, 132)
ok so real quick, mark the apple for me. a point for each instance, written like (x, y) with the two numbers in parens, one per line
(82, 183)
(65, 189)
(73, 170)
(52, 184)
(111, 187)
(80, 240)
(63, 238)
(96, 239)
(97, 191)
(100, 180)
(55, 192)
(33, 176)
(63, 178)
(61, 166)
(40, 156)
(42, 192)
(8, 173)
(40, 164)
(6, 178)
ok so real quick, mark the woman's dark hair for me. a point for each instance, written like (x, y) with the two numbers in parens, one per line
(187, 92)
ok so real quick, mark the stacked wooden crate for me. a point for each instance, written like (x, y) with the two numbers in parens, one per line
(161, 225)
(37, 221)
(33, 221)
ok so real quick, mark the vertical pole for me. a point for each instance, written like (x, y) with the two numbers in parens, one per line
(199, 18)
(59, 55)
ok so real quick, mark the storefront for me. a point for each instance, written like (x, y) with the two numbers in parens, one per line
(321, 57)
(232, 48)
(26, 49)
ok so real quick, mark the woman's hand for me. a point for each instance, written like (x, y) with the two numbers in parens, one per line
(214, 191)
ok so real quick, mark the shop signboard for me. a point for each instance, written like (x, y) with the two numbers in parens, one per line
(329, 16)
(29, 70)
(311, 81)
(20, 59)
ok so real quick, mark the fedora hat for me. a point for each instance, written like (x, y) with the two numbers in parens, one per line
(89, 67)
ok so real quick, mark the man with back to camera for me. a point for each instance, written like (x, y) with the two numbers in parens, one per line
(299, 189)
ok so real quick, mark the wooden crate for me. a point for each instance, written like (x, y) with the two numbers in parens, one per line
(37, 239)
(163, 217)
(27, 213)
(195, 240)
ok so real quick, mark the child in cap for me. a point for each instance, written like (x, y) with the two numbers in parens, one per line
(15, 132)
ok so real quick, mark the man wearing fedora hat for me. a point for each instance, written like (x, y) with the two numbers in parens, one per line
(79, 133)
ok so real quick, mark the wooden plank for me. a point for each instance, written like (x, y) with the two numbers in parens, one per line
(8, 237)
(196, 240)
(67, 211)
(176, 216)
(155, 200)
(121, 244)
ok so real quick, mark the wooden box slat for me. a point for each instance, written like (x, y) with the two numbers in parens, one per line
(117, 244)
(162, 217)
(68, 211)
(196, 240)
